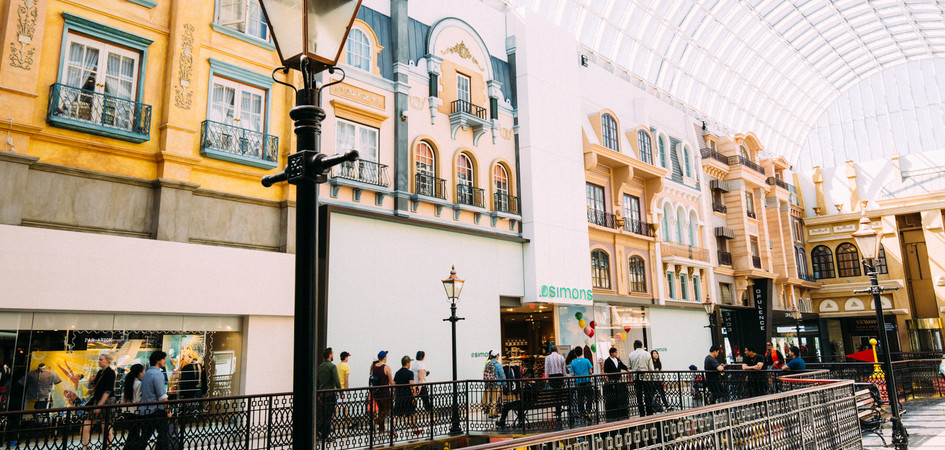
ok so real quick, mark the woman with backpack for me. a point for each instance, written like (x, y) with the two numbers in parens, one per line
(492, 395)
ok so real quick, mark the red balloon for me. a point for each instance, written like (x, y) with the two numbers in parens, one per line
(588, 331)
(592, 334)
(627, 329)
(593, 324)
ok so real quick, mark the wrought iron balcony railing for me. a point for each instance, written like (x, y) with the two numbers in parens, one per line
(505, 203)
(741, 160)
(89, 111)
(462, 106)
(774, 181)
(242, 142)
(430, 186)
(725, 258)
(807, 277)
(638, 227)
(756, 261)
(719, 208)
(601, 218)
(470, 195)
(709, 153)
(364, 171)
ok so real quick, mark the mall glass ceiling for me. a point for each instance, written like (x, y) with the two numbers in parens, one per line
(767, 66)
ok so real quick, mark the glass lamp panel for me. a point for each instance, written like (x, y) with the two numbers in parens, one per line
(867, 245)
(328, 22)
(286, 18)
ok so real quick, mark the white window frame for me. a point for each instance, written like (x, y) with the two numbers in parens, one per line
(460, 92)
(121, 117)
(238, 113)
(241, 23)
(364, 152)
(364, 61)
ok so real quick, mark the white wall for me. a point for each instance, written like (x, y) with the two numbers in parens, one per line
(385, 293)
(267, 354)
(682, 333)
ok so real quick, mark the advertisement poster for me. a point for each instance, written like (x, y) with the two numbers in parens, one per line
(182, 349)
(574, 322)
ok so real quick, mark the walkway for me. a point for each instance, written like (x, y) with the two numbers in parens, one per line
(925, 422)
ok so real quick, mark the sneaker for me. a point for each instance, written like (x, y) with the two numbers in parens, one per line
(500, 424)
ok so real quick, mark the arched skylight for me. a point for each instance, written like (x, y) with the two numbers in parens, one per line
(767, 66)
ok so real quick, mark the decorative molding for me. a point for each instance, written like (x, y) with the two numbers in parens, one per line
(238, 73)
(350, 111)
(463, 52)
(26, 16)
(359, 95)
(183, 97)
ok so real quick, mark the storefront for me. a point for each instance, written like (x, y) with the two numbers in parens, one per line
(527, 336)
(597, 328)
(848, 335)
(805, 333)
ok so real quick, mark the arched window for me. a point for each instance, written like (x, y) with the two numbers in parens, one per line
(750, 205)
(662, 149)
(686, 159)
(646, 147)
(464, 181)
(600, 269)
(359, 50)
(822, 262)
(680, 225)
(667, 219)
(880, 262)
(693, 224)
(426, 183)
(500, 178)
(743, 152)
(609, 130)
(848, 260)
(637, 274)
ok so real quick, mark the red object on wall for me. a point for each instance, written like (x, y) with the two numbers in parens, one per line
(865, 355)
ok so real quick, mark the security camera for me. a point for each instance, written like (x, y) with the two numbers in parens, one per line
(403, 115)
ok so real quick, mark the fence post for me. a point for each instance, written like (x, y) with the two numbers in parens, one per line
(249, 414)
(466, 398)
(269, 423)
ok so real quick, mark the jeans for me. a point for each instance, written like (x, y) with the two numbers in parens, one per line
(326, 411)
(157, 420)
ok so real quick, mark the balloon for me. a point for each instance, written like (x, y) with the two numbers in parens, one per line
(621, 336)
(582, 323)
(594, 348)
(591, 334)
(593, 324)
(588, 331)
(587, 341)
(578, 315)
(627, 329)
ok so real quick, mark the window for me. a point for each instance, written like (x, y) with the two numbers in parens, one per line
(797, 230)
(718, 204)
(880, 263)
(244, 16)
(754, 246)
(800, 257)
(595, 198)
(609, 131)
(354, 136)
(683, 286)
(646, 147)
(237, 104)
(722, 243)
(670, 281)
(749, 204)
(743, 152)
(358, 50)
(848, 260)
(822, 261)
(667, 219)
(680, 217)
(693, 225)
(600, 269)
(725, 291)
(686, 159)
(426, 160)
(662, 150)
(462, 87)
(503, 199)
(696, 288)
(637, 274)
(466, 192)
(631, 210)
(427, 183)
(464, 171)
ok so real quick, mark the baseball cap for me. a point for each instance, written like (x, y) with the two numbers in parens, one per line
(693, 367)
(381, 354)
(493, 353)
(404, 360)
(345, 355)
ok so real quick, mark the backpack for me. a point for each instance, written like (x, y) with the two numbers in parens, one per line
(488, 372)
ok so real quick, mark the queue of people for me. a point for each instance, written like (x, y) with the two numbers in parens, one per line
(755, 382)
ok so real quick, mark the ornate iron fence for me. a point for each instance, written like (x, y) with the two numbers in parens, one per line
(99, 110)
(364, 171)
(470, 195)
(741, 160)
(638, 227)
(238, 141)
(505, 203)
(914, 378)
(430, 186)
(462, 106)
(601, 218)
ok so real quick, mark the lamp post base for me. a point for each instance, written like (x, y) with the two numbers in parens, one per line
(900, 437)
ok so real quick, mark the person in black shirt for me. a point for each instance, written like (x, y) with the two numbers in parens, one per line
(616, 395)
(404, 406)
(755, 363)
(103, 387)
(713, 375)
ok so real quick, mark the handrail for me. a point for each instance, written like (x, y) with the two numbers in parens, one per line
(96, 109)
(240, 141)
(463, 106)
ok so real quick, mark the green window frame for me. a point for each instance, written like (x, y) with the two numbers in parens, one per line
(238, 74)
(671, 282)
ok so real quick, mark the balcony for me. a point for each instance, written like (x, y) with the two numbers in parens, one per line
(363, 171)
(751, 214)
(773, 181)
(464, 114)
(756, 262)
(741, 160)
(712, 154)
(673, 249)
(470, 195)
(430, 186)
(601, 218)
(95, 113)
(725, 258)
(719, 208)
(239, 145)
(807, 277)
(505, 203)
(638, 227)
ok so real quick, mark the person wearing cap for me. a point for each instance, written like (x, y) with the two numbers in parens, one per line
(404, 407)
(381, 376)
(493, 392)
(326, 376)
(420, 372)
(344, 372)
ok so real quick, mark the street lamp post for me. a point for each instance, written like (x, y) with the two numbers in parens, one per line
(453, 288)
(867, 239)
(710, 308)
(797, 316)
(309, 37)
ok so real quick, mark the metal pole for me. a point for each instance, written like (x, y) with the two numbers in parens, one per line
(900, 437)
(455, 427)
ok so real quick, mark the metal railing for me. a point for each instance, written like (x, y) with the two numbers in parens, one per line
(741, 160)
(364, 171)
(709, 153)
(238, 141)
(601, 218)
(774, 181)
(462, 106)
(470, 195)
(719, 208)
(756, 262)
(685, 251)
(430, 186)
(97, 109)
(725, 258)
(915, 378)
(807, 277)
(637, 227)
(505, 203)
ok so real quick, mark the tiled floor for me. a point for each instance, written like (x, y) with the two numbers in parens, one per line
(924, 421)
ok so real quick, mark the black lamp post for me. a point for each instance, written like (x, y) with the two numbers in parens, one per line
(867, 239)
(309, 36)
(797, 316)
(710, 308)
(453, 288)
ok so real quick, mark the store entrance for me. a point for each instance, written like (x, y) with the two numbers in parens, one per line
(527, 334)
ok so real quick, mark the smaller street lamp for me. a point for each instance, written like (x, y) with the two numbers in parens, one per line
(453, 287)
(710, 309)
(796, 314)
(867, 239)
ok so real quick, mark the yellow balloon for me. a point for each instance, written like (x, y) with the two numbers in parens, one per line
(582, 323)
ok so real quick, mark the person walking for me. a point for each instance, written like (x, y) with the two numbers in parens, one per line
(492, 372)
(406, 390)
(713, 375)
(795, 362)
(103, 388)
(344, 375)
(382, 376)
(132, 394)
(659, 395)
(420, 372)
(640, 363)
(615, 391)
(153, 390)
(754, 364)
(326, 379)
(774, 360)
(582, 368)
(555, 369)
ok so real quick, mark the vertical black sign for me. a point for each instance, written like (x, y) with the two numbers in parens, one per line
(762, 313)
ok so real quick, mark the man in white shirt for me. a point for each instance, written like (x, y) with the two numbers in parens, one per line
(641, 361)
(555, 369)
